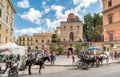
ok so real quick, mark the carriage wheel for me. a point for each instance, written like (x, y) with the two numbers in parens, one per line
(13, 74)
(84, 65)
(79, 64)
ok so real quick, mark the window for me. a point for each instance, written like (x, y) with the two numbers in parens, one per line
(78, 27)
(64, 27)
(1, 6)
(110, 36)
(109, 3)
(23, 39)
(11, 20)
(64, 40)
(36, 41)
(31, 39)
(23, 44)
(7, 18)
(28, 38)
(6, 39)
(71, 27)
(110, 19)
(0, 26)
(28, 43)
(20, 39)
(0, 37)
(20, 43)
(48, 41)
(0, 12)
(42, 41)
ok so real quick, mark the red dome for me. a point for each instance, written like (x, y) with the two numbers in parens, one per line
(71, 16)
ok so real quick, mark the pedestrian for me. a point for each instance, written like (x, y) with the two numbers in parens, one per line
(52, 58)
(68, 53)
(73, 59)
(115, 55)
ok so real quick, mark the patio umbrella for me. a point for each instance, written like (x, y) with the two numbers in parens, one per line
(91, 48)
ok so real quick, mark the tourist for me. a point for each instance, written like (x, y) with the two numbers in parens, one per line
(73, 59)
(52, 58)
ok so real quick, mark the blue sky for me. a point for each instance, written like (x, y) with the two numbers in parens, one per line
(36, 16)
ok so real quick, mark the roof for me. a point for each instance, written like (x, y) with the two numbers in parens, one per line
(71, 16)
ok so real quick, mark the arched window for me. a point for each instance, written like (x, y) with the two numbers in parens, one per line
(71, 36)
(42, 41)
(64, 40)
(78, 27)
(36, 41)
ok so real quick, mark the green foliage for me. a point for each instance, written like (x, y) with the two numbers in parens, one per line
(53, 47)
(78, 47)
(60, 50)
(23, 59)
(92, 27)
(54, 38)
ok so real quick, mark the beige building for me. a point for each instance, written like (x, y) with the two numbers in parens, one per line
(7, 12)
(111, 20)
(70, 31)
(42, 40)
(26, 41)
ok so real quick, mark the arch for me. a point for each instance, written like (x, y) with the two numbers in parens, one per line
(71, 36)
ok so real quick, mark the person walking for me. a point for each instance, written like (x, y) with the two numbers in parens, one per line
(73, 59)
(52, 58)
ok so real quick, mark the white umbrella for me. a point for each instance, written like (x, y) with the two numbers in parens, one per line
(8, 45)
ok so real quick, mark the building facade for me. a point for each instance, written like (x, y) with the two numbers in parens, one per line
(42, 40)
(26, 41)
(70, 31)
(7, 12)
(111, 20)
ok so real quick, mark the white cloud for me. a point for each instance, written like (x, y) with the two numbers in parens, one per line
(23, 4)
(60, 16)
(44, 4)
(46, 8)
(84, 3)
(51, 24)
(58, 10)
(32, 15)
(28, 31)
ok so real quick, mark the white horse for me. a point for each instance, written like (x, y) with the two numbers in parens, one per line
(105, 57)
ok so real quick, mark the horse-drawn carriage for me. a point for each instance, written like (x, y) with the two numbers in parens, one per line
(86, 61)
(13, 69)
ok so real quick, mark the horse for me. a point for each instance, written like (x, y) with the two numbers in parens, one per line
(39, 62)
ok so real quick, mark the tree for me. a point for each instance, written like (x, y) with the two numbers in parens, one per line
(54, 38)
(53, 47)
(60, 50)
(78, 47)
(92, 27)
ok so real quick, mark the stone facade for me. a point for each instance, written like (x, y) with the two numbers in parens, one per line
(26, 41)
(111, 20)
(7, 12)
(70, 31)
(42, 40)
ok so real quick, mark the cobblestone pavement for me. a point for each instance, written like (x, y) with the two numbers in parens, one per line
(61, 61)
